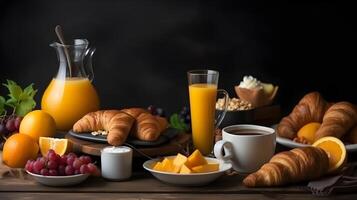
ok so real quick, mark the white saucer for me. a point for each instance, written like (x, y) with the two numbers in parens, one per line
(291, 144)
(59, 180)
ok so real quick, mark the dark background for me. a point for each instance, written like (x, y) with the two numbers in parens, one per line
(144, 48)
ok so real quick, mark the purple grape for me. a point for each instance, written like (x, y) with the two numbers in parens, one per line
(44, 172)
(69, 170)
(152, 109)
(62, 170)
(85, 159)
(18, 122)
(2, 129)
(70, 160)
(10, 125)
(84, 169)
(52, 164)
(53, 172)
(71, 155)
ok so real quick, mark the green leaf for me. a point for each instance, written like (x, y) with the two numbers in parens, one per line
(14, 89)
(30, 91)
(2, 105)
(178, 123)
(25, 107)
(11, 102)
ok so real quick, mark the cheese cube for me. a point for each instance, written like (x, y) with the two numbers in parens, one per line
(206, 168)
(185, 170)
(179, 160)
(195, 159)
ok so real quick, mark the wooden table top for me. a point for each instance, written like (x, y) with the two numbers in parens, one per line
(143, 185)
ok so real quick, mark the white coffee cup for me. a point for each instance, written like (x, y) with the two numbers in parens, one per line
(247, 147)
(116, 162)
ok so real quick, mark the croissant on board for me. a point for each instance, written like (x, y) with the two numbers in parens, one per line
(147, 127)
(338, 120)
(137, 122)
(311, 108)
(299, 164)
(117, 123)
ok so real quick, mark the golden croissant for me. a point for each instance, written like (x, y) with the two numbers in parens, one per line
(338, 120)
(120, 123)
(117, 123)
(311, 108)
(299, 164)
(148, 127)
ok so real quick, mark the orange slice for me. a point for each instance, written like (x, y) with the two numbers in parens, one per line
(60, 146)
(308, 131)
(335, 150)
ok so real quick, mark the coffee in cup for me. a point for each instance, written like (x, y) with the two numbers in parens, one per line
(247, 147)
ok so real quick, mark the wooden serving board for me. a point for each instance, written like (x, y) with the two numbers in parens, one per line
(174, 146)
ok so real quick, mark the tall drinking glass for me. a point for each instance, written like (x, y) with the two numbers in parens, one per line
(203, 94)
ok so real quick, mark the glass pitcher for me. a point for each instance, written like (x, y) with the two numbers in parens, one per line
(70, 95)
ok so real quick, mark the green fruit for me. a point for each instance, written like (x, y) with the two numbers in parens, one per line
(268, 88)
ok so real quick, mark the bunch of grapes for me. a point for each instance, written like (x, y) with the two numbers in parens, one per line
(156, 111)
(55, 165)
(185, 115)
(8, 125)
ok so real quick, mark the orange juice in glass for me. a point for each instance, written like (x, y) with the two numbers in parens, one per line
(203, 94)
(71, 95)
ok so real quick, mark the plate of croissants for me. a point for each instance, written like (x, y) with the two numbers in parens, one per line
(133, 125)
(313, 118)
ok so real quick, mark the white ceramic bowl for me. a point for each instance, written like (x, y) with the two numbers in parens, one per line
(59, 180)
(195, 179)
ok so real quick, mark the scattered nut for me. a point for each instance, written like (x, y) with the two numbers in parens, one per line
(99, 132)
(234, 104)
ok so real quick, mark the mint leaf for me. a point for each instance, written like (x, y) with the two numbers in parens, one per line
(14, 89)
(178, 123)
(24, 107)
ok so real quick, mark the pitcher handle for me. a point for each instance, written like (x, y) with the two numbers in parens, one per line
(88, 64)
(221, 116)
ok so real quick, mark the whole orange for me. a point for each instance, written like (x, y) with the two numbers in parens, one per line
(18, 149)
(38, 123)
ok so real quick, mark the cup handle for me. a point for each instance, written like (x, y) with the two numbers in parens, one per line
(225, 146)
(221, 116)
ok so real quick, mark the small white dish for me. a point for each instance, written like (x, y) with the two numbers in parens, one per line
(291, 144)
(59, 180)
(195, 179)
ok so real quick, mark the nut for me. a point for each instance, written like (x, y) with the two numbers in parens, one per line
(234, 104)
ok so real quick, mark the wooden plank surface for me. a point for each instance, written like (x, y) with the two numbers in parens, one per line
(144, 196)
(145, 183)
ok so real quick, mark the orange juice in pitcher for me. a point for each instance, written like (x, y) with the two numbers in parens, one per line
(71, 95)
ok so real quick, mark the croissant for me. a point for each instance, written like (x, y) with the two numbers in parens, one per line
(148, 127)
(117, 123)
(311, 108)
(135, 112)
(299, 164)
(338, 120)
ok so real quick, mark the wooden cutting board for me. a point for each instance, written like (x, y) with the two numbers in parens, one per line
(174, 146)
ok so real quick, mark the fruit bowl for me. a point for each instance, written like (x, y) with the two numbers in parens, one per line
(195, 179)
(59, 180)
